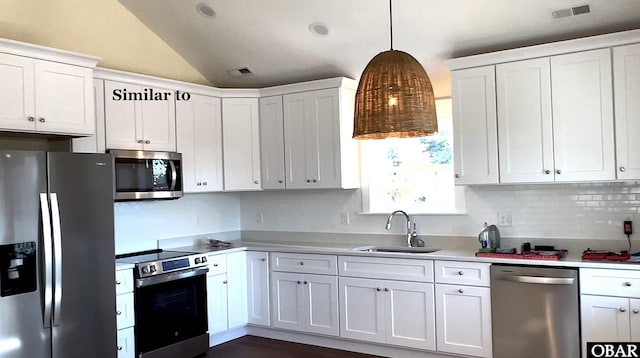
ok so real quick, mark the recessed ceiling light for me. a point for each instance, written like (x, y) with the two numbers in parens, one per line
(319, 29)
(205, 10)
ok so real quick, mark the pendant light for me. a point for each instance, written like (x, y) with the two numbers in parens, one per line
(394, 97)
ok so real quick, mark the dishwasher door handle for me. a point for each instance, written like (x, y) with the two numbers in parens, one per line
(539, 280)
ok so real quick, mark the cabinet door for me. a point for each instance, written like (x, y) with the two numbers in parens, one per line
(312, 139)
(125, 313)
(604, 319)
(94, 143)
(634, 306)
(126, 343)
(475, 141)
(159, 122)
(464, 320)
(362, 309)
(287, 300)
(321, 304)
(217, 303)
(237, 289)
(525, 133)
(272, 142)
(258, 288)
(64, 98)
(410, 316)
(17, 104)
(626, 80)
(583, 116)
(241, 143)
(199, 139)
(123, 123)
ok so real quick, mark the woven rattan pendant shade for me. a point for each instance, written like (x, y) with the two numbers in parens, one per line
(394, 98)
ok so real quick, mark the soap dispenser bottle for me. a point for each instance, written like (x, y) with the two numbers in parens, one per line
(483, 238)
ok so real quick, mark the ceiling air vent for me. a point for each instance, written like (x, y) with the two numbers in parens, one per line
(242, 71)
(576, 10)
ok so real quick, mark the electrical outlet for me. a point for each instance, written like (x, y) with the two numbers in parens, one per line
(259, 217)
(345, 218)
(505, 219)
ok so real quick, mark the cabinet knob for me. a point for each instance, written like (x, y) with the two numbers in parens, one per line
(215, 265)
(31, 119)
(118, 283)
(547, 171)
(256, 182)
(460, 273)
(315, 180)
(378, 289)
(622, 169)
(119, 348)
(558, 171)
(263, 260)
(118, 313)
(627, 283)
(147, 141)
(635, 310)
(198, 184)
(41, 120)
(298, 282)
(280, 181)
(204, 183)
(305, 282)
(622, 309)
(460, 291)
(301, 263)
(308, 181)
(457, 176)
(225, 282)
(386, 289)
(140, 141)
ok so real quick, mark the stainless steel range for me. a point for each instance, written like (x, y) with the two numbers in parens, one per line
(170, 303)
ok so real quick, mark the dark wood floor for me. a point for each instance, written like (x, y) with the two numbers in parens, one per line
(258, 347)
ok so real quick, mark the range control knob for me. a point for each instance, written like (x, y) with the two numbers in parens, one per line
(145, 270)
(204, 259)
(152, 268)
(197, 260)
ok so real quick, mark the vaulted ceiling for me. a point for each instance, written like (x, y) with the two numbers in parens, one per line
(272, 38)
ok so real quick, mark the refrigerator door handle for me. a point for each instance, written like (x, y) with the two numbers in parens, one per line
(57, 255)
(48, 259)
(174, 174)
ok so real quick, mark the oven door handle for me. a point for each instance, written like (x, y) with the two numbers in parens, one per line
(148, 281)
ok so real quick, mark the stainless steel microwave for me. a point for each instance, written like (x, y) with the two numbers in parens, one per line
(143, 175)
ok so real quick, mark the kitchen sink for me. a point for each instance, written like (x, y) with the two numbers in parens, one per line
(398, 249)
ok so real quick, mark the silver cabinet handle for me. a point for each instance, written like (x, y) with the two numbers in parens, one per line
(41, 120)
(460, 273)
(118, 282)
(458, 176)
(635, 310)
(118, 313)
(622, 309)
(140, 141)
(460, 291)
(540, 280)
(558, 171)
(622, 169)
(547, 171)
(31, 119)
(628, 284)
(147, 141)
(119, 348)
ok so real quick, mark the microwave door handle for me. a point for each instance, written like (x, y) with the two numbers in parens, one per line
(48, 259)
(174, 174)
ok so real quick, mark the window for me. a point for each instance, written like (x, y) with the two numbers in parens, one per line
(412, 174)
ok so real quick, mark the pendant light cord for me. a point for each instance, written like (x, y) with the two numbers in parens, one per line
(390, 25)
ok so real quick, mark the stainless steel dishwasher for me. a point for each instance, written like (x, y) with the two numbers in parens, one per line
(535, 312)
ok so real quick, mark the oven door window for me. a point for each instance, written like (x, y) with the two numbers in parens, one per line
(145, 175)
(170, 312)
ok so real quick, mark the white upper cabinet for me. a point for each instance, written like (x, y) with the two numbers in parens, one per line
(626, 81)
(241, 143)
(199, 139)
(524, 121)
(583, 116)
(272, 142)
(473, 96)
(45, 97)
(139, 124)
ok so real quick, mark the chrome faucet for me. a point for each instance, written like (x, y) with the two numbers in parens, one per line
(412, 237)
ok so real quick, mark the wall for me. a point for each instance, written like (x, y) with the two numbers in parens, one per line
(139, 224)
(102, 28)
(565, 211)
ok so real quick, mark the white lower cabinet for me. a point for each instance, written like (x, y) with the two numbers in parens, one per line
(305, 302)
(227, 292)
(125, 314)
(258, 288)
(385, 311)
(126, 343)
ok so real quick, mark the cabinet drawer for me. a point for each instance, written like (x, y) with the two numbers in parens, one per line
(304, 263)
(385, 268)
(124, 281)
(462, 273)
(625, 283)
(217, 264)
(126, 343)
(125, 316)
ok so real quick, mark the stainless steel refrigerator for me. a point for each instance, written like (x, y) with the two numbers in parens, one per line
(57, 289)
